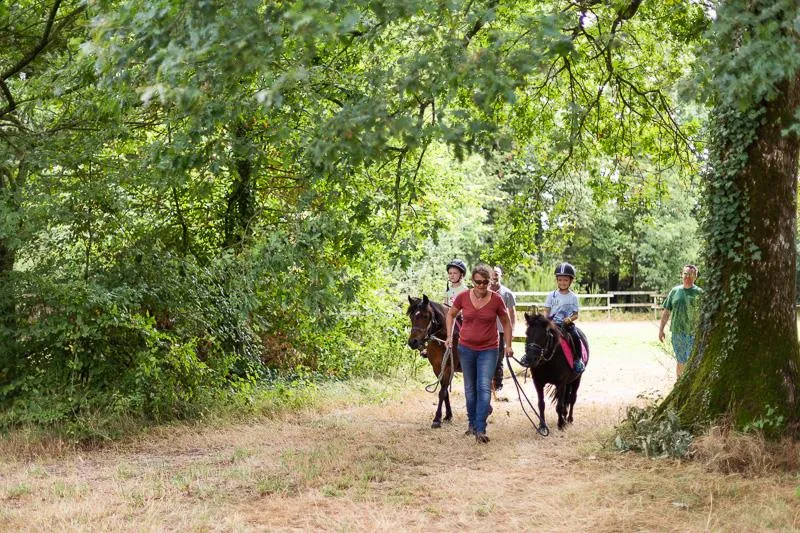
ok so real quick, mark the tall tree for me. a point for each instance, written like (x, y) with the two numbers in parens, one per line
(745, 362)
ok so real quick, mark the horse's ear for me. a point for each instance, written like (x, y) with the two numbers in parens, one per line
(410, 300)
(425, 299)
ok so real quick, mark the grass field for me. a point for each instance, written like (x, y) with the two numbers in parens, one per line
(366, 460)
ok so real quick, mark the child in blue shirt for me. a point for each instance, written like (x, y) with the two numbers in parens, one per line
(561, 305)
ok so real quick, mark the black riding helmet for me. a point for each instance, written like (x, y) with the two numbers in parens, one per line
(459, 264)
(565, 269)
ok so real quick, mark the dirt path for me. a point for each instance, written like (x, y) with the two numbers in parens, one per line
(380, 467)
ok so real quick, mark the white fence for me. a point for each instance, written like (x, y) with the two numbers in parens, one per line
(527, 300)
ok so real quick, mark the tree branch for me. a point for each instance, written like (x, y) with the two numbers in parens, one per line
(49, 32)
(43, 42)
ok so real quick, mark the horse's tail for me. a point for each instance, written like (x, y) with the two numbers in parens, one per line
(552, 390)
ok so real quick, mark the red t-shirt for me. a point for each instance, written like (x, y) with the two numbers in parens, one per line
(479, 331)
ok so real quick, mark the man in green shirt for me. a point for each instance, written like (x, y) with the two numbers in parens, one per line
(682, 304)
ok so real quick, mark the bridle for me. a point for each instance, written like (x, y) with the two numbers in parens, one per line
(433, 327)
(547, 351)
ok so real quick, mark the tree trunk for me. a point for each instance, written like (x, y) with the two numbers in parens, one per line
(241, 199)
(745, 362)
(8, 330)
(7, 253)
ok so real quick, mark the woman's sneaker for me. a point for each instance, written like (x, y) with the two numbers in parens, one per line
(481, 438)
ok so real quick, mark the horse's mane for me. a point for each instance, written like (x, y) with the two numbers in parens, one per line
(542, 320)
(439, 311)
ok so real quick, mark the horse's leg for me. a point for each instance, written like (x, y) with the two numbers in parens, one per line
(435, 357)
(573, 396)
(561, 405)
(540, 394)
(437, 419)
(443, 399)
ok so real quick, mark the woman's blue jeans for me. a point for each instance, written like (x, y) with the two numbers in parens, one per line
(478, 368)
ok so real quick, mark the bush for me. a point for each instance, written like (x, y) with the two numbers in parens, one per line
(157, 345)
(655, 436)
(161, 337)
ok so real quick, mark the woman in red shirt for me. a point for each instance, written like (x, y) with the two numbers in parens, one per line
(478, 345)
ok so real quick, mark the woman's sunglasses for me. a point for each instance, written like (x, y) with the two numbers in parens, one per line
(480, 281)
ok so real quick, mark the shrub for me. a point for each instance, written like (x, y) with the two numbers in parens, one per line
(654, 436)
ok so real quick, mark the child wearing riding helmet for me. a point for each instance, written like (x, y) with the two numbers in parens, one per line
(456, 270)
(561, 305)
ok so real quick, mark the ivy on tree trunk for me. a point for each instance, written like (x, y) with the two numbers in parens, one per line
(745, 360)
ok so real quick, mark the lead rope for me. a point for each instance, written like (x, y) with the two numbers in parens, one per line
(540, 428)
(448, 357)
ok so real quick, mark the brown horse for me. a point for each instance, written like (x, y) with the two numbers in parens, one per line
(428, 330)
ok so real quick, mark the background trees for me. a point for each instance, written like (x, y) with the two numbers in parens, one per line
(201, 196)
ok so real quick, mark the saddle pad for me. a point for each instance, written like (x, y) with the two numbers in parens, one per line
(568, 352)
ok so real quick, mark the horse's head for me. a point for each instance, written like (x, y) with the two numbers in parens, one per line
(423, 321)
(541, 338)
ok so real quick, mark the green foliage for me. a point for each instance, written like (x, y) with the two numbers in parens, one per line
(763, 38)
(534, 279)
(770, 423)
(202, 198)
(654, 435)
(160, 347)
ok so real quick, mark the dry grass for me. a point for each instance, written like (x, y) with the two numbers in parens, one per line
(726, 451)
(351, 467)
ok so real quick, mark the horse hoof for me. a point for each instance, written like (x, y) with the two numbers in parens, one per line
(436, 424)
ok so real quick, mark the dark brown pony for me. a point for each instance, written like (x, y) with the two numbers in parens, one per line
(548, 364)
(428, 329)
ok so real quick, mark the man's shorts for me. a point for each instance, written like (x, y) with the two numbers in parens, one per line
(682, 344)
